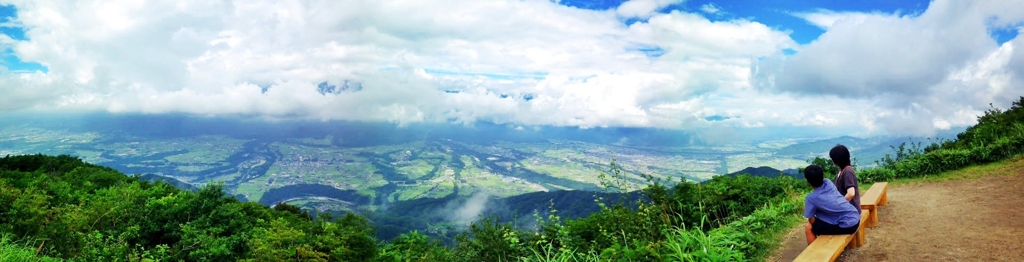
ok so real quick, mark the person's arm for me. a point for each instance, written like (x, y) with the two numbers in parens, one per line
(809, 210)
(850, 192)
(850, 182)
(810, 220)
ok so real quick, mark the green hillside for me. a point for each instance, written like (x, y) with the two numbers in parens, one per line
(61, 208)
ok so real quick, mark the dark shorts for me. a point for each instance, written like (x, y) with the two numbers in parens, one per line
(824, 228)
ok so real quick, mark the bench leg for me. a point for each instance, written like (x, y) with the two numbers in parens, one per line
(855, 242)
(883, 200)
(859, 238)
(873, 216)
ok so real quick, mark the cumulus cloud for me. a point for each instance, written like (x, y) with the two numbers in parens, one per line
(522, 63)
(918, 73)
(518, 62)
(824, 18)
(710, 8)
(642, 8)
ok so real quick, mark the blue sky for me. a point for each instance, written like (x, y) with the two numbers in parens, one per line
(779, 13)
(775, 13)
(863, 67)
(10, 60)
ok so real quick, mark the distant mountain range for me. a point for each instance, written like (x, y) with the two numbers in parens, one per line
(174, 182)
(865, 151)
(766, 172)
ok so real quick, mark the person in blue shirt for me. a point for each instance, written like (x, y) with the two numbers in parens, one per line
(826, 210)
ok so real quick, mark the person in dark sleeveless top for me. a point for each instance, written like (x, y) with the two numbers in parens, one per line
(846, 180)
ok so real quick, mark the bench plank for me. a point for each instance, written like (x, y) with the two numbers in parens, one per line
(874, 197)
(875, 194)
(825, 248)
(829, 247)
(885, 192)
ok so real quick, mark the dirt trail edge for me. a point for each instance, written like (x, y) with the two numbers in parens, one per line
(960, 220)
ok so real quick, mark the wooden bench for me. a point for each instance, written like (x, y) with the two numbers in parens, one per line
(876, 196)
(828, 247)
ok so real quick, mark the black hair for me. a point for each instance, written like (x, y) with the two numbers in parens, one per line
(814, 175)
(840, 156)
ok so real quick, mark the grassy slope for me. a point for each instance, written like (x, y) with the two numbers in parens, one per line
(1006, 167)
(1010, 166)
(777, 234)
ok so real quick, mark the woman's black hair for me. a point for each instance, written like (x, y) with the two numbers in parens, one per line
(840, 156)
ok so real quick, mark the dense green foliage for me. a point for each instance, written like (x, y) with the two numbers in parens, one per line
(998, 135)
(54, 208)
(77, 210)
(15, 252)
(726, 218)
(432, 216)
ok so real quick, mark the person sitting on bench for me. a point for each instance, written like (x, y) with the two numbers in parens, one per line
(846, 180)
(826, 210)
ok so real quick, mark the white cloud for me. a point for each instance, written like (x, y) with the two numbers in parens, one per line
(415, 60)
(710, 8)
(643, 8)
(941, 124)
(923, 72)
(825, 19)
(523, 63)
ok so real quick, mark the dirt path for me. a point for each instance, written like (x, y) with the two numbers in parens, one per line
(960, 220)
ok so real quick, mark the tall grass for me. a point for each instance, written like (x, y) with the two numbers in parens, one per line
(750, 238)
(11, 251)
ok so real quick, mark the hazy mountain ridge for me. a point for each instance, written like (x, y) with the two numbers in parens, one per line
(169, 180)
(370, 167)
(865, 150)
(765, 171)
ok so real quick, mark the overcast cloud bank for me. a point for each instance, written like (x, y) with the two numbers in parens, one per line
(517, 62)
